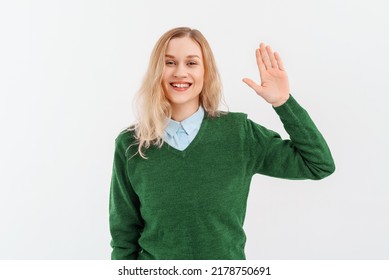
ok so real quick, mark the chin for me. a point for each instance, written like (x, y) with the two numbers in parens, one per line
(181, 100)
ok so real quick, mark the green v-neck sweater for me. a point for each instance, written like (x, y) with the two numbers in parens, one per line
(191, 204)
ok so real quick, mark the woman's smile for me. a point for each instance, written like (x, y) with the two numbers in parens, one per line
(177, 86)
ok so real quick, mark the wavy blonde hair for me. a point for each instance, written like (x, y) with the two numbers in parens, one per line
(152, 105)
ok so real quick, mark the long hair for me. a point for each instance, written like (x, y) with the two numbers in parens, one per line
(152, 105)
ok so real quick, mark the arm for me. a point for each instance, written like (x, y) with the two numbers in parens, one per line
(306, 155)
(124, 216)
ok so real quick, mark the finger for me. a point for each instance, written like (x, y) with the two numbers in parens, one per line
(272, 58)
(261, 65)
(279, 61)
(265, 57)
(253, 85)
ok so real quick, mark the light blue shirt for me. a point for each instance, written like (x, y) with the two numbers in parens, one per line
(180, 134)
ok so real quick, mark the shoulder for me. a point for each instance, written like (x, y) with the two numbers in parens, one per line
(229, 117)
(125, 138)
(228, 122)
(126, 135)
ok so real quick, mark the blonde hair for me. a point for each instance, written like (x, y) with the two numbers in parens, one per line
(152, 105)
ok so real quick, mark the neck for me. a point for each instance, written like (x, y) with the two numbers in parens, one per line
(180, 113)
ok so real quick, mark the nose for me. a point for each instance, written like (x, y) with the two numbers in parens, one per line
(180, 71)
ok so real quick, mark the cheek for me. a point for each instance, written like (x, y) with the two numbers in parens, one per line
(165, 80)
(167, 73)
(164, 76)
(200, 77)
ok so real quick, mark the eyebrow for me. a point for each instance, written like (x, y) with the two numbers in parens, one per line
(189, 56)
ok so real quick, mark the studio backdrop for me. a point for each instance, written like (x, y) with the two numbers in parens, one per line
(69, 71)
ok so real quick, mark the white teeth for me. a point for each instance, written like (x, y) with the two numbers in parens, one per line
(181, 85)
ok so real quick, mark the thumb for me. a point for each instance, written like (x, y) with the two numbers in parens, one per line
(258, 89)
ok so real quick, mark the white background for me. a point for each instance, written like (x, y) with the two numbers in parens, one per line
(70, 69)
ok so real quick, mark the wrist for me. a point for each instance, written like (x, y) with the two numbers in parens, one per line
(280, 102)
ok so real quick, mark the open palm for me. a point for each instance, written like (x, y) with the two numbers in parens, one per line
(274, 87)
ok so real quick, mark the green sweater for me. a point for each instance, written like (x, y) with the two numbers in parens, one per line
(191, 204)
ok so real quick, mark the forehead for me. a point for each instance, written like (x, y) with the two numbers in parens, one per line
(182, 47)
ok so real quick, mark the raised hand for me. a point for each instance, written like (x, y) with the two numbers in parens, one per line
(274, 86)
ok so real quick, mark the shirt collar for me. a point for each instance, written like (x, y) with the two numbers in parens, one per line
(190, 124)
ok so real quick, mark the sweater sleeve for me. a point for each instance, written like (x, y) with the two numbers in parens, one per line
(124, 215)
(305, 156)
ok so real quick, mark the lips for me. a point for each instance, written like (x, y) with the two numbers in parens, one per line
(180, 85)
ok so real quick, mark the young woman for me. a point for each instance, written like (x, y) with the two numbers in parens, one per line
(181, 174)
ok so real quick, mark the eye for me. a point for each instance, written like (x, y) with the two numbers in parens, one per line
(170, 62)
(192, 63)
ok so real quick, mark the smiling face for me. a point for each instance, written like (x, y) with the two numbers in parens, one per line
(183, 76)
